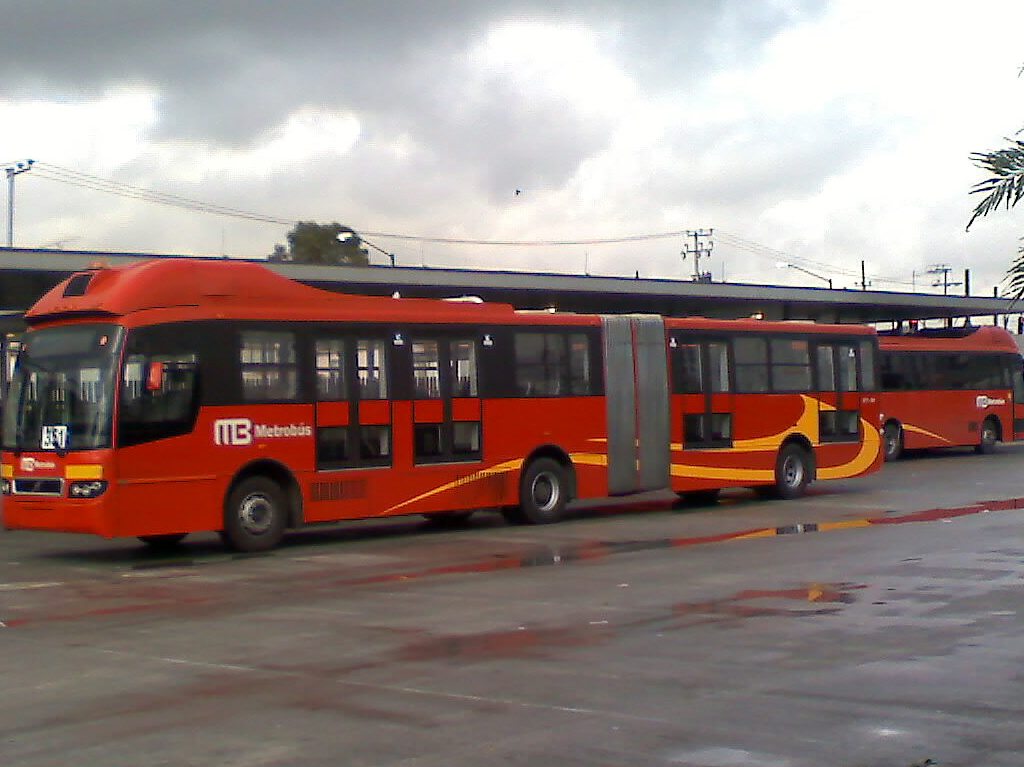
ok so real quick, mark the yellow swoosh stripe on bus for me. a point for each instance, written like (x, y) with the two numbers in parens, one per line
(919, 430)
(501, 468)
(865, 457)
(806, 423)
(859, 463)
(714, 472)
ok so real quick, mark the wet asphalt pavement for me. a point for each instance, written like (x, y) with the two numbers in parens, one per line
(877, 622)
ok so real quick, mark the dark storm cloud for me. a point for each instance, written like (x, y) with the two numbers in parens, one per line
(227, 70)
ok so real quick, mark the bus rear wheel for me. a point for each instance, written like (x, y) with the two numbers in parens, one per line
(543, 492)
(989, 437)
(255, 515)
(892, 440)
(792, 472)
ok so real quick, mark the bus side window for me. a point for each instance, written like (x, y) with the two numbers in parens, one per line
(463, 365)
(1017, 374)
(847, 367)
(751, 359)
(579, 364)
(541, 364)
(791, 364)
(371, 367)
(151, 413)
(718, 366)
(269, 368)
(868, 379)
(687, 378)
(826, 367)
(426, 369)
(329, 354)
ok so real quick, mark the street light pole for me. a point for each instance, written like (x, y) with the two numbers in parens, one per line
(787, 265)
(12, 171)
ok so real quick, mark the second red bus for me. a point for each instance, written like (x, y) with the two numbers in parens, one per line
(956, 387)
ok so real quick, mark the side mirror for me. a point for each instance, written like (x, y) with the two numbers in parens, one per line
(155, 377)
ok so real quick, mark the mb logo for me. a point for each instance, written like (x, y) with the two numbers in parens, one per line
(232, 431)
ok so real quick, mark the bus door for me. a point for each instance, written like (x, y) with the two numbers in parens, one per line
(353, 422)
(839, 397)
(636, 387)
(446, 410)
(700, 373)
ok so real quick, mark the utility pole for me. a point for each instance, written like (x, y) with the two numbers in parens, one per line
(702, 246)
(944, 281)
(863, 276)
(12, 171)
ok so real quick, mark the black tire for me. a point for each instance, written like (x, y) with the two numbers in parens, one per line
(161, 542)
(988, 438)
(892, 441)
(792, 472)
(700, 497)
(543, 492)
(255, 515)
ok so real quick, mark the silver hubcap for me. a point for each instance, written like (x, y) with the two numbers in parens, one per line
(256, 514)
(792, 471)
(892, 440)
(545, 491)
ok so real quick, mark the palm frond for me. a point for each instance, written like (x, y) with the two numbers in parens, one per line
(1006, 184)
(1014, 279)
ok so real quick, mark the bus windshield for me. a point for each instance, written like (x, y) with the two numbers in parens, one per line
(62, 391)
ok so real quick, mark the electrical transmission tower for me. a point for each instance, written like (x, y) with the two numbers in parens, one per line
(944, 281)
(702, 245)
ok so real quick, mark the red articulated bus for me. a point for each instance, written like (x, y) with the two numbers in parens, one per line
(176, 396)
(950, 387)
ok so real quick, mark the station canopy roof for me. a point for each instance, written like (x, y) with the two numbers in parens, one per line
(25, 274)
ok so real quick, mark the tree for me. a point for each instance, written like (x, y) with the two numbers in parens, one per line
(1004, 187)
(326, 244)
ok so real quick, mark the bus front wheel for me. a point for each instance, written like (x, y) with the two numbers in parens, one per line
(543, 492)
(255, 515)
(892, 439)
(989, 437)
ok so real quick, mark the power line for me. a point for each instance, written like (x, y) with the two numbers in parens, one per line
(94, 183)
(755, 248)
(59, 174)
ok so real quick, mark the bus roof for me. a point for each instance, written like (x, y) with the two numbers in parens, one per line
(237, 290)
(986, 338)
(181, 289)
(752, 325)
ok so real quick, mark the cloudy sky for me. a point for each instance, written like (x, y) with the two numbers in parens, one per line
(816, 133)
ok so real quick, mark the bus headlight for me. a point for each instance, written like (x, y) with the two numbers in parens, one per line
(5, 486)
(87, 489)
